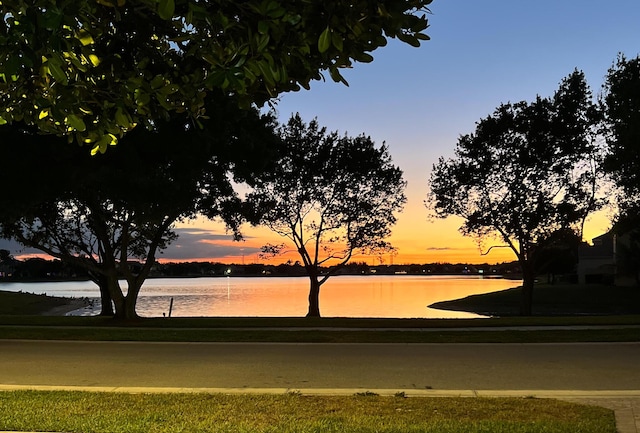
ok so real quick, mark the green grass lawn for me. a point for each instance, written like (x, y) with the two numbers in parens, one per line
(442, 335)
(99, 412)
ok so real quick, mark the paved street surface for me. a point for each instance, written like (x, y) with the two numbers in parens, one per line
(597, 366)
(608, 371)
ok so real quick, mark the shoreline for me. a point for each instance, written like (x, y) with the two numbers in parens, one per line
(551, 300)
(73, 304)
(31, 304)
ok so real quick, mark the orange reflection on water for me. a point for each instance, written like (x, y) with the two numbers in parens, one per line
(402, 296)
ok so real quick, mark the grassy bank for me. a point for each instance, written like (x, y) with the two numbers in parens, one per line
(19, 303)
(552, 300)
(96, 412)
(295, 330)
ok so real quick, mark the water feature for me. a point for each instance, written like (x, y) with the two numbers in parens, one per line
(403, 296)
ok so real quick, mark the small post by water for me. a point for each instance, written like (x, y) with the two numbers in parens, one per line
(170, 306)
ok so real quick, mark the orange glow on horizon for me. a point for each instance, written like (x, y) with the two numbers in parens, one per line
(417, 241)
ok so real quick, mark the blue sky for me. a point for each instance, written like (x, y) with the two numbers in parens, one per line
(419, 100)
(481, 54)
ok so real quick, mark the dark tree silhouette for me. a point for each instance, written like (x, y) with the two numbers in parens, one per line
(529, 170)
(329, 195)
(111, 214)
(622, 115)
(5, 256)
(622, 162)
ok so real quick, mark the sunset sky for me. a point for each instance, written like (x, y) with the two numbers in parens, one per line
(419, 100)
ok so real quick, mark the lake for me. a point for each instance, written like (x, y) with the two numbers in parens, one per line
(402, 296)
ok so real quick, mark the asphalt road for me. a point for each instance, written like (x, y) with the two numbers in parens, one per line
(598, 366)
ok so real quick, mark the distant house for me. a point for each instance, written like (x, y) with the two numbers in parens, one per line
(600, 262)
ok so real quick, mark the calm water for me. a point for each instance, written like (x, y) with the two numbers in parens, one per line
(402, 296)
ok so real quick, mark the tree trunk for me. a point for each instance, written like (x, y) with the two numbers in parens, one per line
(106, 304)
(130, 301)
(105, 296)
(130, 307)
(125, 306)
(314, 297)
(526, 302)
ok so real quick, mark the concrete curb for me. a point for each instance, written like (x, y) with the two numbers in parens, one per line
(558, 394)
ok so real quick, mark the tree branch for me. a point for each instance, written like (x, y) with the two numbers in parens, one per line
(492, 247)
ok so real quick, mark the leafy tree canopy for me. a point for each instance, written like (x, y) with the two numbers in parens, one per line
(94, 69)
(622, 115)
(329, 195)
(528, 171)
(111, 214)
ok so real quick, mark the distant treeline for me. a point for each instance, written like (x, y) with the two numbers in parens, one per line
(38, 269)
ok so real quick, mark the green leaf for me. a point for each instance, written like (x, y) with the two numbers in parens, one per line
(77, 63)
(12, 66)
(292, 19)
(337, 77)
(409, 39)
(210, 59)
(364, 58)
(165, 104)
(275, 10)
(216, 79)
(102, 144)
(142, 98)
(56, 71)
(263, 27)
(2, 121)
(50, 19)
(166, 8)
(157, 82)
(95, 60)
(169, 89)
(324, 41)
(122, 118)
(337, 41)
(265, 71)
(263, 42)
(76, 123)
(275, 72)
(85, 37)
